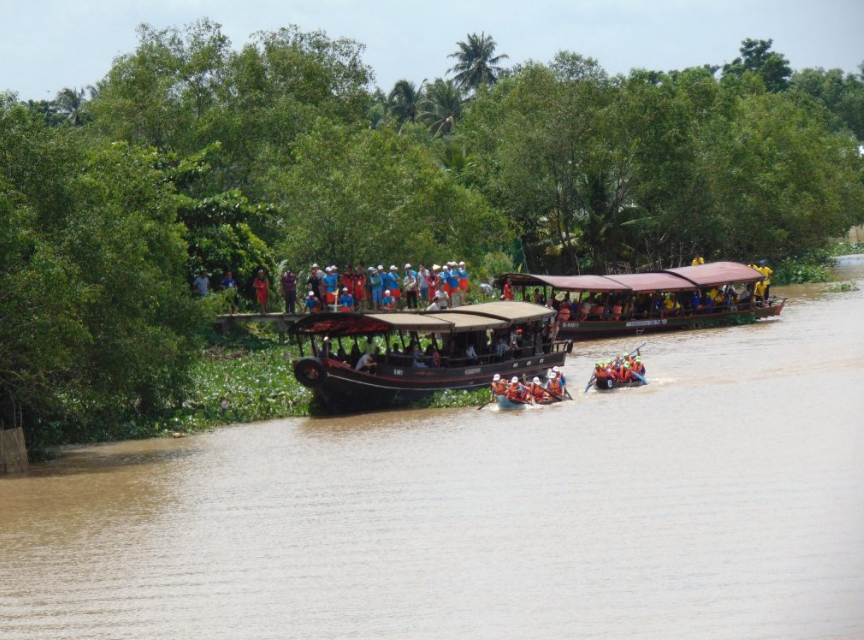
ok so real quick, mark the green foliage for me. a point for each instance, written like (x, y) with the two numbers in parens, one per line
(846, 248)
(842, 287)
(477, 65)
(811, 267)
(756, 57)
(454, 399)
(375, 196)
(97, 318)
(841, 94)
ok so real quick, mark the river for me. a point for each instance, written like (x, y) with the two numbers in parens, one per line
(722, 501)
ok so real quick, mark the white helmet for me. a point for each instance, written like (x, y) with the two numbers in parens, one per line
(380, 267)
(392, 267)
(387, 292)
(514, 380)
(556, 369)
(536, 380)
(408, 265)
(496, 378)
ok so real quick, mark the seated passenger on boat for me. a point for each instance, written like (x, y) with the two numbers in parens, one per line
(367, 362)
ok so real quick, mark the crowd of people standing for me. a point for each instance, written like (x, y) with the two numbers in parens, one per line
(357, 288)
(377, 289)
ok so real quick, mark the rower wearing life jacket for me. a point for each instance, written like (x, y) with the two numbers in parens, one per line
(638, 366)
(553, 384)
(499, 387)
(536, 390)
(562, 379)
(600, 370)
(625, 375)
(516, 392)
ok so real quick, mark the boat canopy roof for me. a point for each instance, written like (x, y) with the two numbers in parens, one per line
(682, 278)
(600, 284)
(715, 273)
(510, 311)
(469, 322)
(649, 282)
(348, 324)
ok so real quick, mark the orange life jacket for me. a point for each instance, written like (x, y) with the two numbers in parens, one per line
(555, 385)
(499, 388)
(625, 375)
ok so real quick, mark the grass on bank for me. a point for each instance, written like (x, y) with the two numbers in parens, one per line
(248, 376)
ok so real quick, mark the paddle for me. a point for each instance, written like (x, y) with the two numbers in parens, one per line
(644, 381)
(489, 401)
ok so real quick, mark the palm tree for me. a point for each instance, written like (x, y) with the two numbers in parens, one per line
(96, 89)
(70, 103)
(405, 101)
(478, 63)
(442, 106)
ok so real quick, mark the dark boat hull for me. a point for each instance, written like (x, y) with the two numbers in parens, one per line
(605, 384)
(605, 328)
(341, 389)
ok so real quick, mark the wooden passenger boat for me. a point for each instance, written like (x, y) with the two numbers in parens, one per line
(625, 304)
(400, 378)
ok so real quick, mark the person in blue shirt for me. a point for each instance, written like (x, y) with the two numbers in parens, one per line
(346, 301)
(376, 284)
(331, 281)
(388, 303)
(313, 304)
(230, 285)
(453, 284)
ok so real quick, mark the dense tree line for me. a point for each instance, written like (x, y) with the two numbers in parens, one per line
(191, 154)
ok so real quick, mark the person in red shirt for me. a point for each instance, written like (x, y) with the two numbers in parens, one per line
(508, 290)
(359, 281)
(261, 285)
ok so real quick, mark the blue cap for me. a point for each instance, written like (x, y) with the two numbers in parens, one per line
(763, 262)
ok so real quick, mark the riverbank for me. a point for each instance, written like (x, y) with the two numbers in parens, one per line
(248, 376)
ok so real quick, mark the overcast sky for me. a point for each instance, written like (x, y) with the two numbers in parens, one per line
(46, 45)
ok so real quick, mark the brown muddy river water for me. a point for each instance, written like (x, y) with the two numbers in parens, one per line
(723, 501)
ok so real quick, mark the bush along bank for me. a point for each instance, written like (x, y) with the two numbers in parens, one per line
(247, 377)
(811, 267)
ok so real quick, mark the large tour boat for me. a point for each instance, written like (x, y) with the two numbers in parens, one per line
(361, 362)
(625, 304)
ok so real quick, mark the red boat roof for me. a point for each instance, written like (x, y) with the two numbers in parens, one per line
(714, 273)
(645, 282)
(706, 275)
(566, 283)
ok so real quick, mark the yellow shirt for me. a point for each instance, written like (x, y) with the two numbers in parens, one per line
(697, 261)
